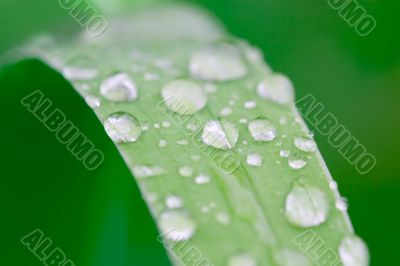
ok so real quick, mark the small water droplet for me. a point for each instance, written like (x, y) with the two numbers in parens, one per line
(284, 153)
(243, 259)
(182, 142)
(166, 124)
(296, 161)
(176, 226)
(226, 111)
(306, 206)
(119, 88)
(184, 97)
(250, 104)
(306, 145)
(333, 185)
(219, 62)
(220, 134)
(283, 120)
(93, 101)
(195, 157)
(277, 88)
(254, 159)
(341, 204)
(353, 251)
(122, 127)
(222, 218)
(162, 143)
(262, 130)
(202, 179)
(157, 125)
(186, 171)
(173, 202)
(147, 171)
(243, 121)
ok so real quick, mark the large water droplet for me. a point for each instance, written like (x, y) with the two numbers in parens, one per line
(220, 62)
(306, 145)
(184, 97)
(277, 88)
(306, 206)
(176, 226)
(220, 134)
(119, 88)
(291, 257)
(243, 259)
(122, 127)
(353, 251)
(262, 130)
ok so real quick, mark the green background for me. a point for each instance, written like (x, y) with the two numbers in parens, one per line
(98, 218)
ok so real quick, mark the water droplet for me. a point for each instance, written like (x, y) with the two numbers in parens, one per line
(250, 104)
(254, 159)
(296, 161)
(222, 218)
(147, 171)
(242, 260)
(262, 130)
(220, 134)
(93, 101)
(277, 88)
(220, 62)
(195, 157)
(341, 204)
(333, 185)
(184, 97)
(79, 73)
(291, 257)
(243, 121)
(306, 206)
(284, 153)
(119, 88)
(226, 111)
(182, 142)
(173, 202)
(176, 226)
(202, 179)
(283, 120)
(353, 251)
(306, 145)
(166, 124)
(122, 127)
(162, 143)
(191, 127)
(157, 125)
(186, 171)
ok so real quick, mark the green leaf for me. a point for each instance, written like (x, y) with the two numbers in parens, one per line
(212, 136)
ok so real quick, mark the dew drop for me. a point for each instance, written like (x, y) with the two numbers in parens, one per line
(184, 97)
(220, 134)
(306, 206)
(176, 226)
(262, 130)
(353, 251)
(202, 179)
(219, 62)
(306, 145)
(296, 161)
(341, 204)
(122, 127)
(119, 88)
(173, 202)
(277, 88)
(242, 260)
(182, 142)
(222, 218)
(166, 124)
(162, 143)
(284, 153)
(254, 159)
(250, 104)
(226, 111)
(93, 101)
(79, 73)
(186, 171)
(147, 171)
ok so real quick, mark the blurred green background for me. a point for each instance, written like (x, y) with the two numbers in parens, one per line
(356, 78)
